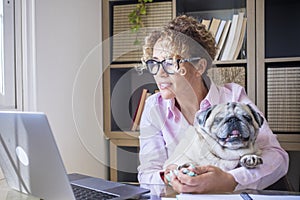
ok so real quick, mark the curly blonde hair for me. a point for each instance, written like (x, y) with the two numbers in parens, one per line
(184, 36)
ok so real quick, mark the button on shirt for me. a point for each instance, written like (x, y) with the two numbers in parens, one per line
(163, 125)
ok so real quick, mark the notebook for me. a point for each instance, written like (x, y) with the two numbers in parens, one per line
(31, 162)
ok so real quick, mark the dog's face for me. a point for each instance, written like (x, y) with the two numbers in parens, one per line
(233, 125)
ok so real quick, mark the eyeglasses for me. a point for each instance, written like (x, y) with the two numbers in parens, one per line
(170, 66)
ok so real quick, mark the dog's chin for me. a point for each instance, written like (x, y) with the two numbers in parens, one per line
(233, 144)
(234, 140)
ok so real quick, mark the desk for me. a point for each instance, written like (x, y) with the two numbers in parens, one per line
(6, 193)
(157, 191)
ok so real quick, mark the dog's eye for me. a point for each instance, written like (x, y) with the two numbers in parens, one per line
(217, 120)
(248, 118)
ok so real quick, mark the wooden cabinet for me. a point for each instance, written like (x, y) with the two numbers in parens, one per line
(265, 47)
(278, 68)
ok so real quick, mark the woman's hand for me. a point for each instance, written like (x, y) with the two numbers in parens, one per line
(209, 179)
(168, 173)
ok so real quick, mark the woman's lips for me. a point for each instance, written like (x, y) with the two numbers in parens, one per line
(164, 85)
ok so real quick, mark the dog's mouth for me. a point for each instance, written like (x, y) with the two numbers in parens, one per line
(235, 137)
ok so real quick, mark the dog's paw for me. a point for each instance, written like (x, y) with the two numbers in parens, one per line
(250, 161)
(187, 169)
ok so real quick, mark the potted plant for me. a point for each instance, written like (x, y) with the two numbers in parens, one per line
(135, 17)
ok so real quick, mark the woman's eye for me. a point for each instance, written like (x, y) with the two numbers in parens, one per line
(168, 63)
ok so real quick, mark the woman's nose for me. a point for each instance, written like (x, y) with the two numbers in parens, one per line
(161, 72)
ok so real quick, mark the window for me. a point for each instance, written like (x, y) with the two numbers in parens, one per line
(7, 56)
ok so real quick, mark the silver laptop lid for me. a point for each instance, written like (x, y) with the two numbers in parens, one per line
(25, 139)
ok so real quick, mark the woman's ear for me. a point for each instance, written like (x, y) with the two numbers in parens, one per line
(182, 71)
(201, 66)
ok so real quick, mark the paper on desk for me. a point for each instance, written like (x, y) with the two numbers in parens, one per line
(209, 196)
(234, 197)
(271, 197)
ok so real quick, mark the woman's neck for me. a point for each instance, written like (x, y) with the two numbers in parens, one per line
(189, 111)
(189, 102)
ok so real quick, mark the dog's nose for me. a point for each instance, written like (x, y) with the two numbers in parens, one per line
(233, 120)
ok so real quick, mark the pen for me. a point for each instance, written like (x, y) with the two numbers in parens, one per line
(245, 196)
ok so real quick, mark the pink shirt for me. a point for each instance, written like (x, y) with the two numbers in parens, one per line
(162, 125)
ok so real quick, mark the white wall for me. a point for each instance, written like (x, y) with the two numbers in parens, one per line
(68, 80)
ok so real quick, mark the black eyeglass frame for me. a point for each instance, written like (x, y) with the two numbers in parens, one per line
(160, 63)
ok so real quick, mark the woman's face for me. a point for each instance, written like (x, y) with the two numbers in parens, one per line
(170, 85)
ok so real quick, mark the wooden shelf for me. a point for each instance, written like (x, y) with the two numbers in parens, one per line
(233, 62)
(126, 142)
(120, 66)
(126, 135)
(275, 60)
(290, 142)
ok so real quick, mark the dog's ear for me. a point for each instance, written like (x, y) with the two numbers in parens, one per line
(258, 118)
(203, 115)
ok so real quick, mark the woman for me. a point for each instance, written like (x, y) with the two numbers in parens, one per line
(179, 57)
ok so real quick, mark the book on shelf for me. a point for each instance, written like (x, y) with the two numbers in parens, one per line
(241, 39)
(213, 28)
(220, 31)
(139, 110)
(229, 40)
(236, 36)
(206, 22)
(222, 39)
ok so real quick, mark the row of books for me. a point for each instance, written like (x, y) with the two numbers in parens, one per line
(229, 35)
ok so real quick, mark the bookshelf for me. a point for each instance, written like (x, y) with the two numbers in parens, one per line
(122, 85)
(278, 68)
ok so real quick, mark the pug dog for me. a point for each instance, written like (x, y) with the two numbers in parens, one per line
(224, 136)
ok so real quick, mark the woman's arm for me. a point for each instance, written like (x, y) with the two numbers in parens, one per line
(275, 159)
(153, 152)
(275, 163)
(152, 156)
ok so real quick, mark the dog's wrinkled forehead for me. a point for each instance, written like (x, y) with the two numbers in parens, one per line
(227, 110)
(219, 110)
(233, 108)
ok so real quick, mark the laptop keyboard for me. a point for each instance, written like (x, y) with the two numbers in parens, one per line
(82, 193)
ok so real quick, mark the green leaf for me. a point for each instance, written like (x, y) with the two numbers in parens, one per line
(143, 11)
(135, 17)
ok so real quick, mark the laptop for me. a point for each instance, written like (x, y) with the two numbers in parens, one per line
(31, 162)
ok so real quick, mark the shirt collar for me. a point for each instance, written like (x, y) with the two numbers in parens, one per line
(212, 98)
(172, 111)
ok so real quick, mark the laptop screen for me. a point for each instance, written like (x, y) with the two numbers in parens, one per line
(29, 157)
